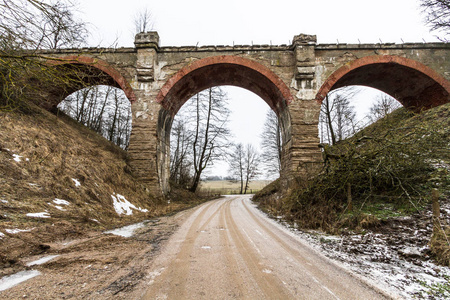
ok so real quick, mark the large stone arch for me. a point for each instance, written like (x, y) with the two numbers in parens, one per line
(100, 73)
(224, 70)
(412, 83)
(217, 71)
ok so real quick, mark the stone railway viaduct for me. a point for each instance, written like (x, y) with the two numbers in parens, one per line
(292, 79)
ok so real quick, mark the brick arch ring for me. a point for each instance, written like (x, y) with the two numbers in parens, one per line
(102, 66)
(174, 88)
(381, 59)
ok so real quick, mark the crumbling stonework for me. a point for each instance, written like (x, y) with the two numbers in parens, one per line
(292, 79)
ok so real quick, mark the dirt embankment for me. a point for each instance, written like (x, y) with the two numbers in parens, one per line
(97, 265)
(59, 181)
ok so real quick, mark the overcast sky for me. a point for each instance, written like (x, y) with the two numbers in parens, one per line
(209, 22)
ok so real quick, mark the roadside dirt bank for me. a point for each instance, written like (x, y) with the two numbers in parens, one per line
(98, 266)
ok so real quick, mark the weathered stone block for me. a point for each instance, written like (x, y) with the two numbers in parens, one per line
(145, 74)
(305, 39)
(147, 39)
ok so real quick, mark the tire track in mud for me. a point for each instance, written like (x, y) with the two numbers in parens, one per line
(235, 274)
(310, 267)
(270, 285)
(180, 264)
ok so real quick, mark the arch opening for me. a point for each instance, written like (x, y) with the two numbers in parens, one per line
(347, 110)
(211, 72)
(93, 93)
(235, 109)
(80, 72)
(102, 108)
(414, 85)
(221, 71)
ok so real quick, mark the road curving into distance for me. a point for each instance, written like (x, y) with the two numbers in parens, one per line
(227, 249)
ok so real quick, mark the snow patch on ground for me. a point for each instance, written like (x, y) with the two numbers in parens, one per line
(8, 282)
(126, 231)
(17, 157)
(4, 201)
(1, 234)
(42, 260)
(39, 215)
(154, 274)
(61, 202)
(377, 261)
(123, 206)
(77, 183)
(396, 261)
(17, 230)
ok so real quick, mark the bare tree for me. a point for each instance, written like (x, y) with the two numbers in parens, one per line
(326, 118)
(437, 15)
(271, 144)
(252, 160)
(143, 21)
(337, 120)
(344, 117)
(104, 109)
(115, 117)
(199, 136)
(383, 105)
(236, 164)
(25, 26)
(34, 24)
(62, 29)
(99, 120)
(180, 162)
(243, 163)
(210, 138)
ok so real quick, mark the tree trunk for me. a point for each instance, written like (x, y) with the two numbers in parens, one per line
(330, 124)
(203, 159)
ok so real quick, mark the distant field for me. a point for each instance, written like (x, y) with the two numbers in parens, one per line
(228, 187)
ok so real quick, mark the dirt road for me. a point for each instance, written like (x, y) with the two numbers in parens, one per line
(223, 249)
(227, 249)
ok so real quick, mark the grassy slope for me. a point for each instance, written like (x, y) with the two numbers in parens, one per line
(391, 167)
(54, 151)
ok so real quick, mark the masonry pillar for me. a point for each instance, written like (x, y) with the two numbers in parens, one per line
(143, 140)
(305, 156)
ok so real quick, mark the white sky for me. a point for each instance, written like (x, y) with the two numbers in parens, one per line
(209, 22)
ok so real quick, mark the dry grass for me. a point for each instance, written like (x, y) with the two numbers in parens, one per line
(53, 154)
(439, 245)
(54, 151)
(229, 187)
